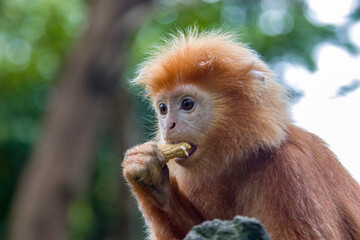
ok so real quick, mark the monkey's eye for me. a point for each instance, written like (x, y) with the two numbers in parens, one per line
(187, 104)
(163, 108)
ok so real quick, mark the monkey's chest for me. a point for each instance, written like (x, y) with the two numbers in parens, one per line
(213, 203)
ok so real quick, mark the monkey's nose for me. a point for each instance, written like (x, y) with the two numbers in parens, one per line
(172, 125)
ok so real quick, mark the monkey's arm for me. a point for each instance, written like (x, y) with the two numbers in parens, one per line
(167, 211)
(174, 220)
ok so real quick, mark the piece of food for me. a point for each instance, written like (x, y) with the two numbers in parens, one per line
(177, 150)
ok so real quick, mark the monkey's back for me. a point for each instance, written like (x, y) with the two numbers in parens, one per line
(308, 193)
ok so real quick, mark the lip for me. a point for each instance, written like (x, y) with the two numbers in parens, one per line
(191, 152)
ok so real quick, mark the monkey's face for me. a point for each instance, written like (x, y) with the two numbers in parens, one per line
(185, 114)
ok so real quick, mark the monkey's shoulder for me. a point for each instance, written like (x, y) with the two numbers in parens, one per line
(305, 158)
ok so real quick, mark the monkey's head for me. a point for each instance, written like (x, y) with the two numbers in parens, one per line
(215, 93)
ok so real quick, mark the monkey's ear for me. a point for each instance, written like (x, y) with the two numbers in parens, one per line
(258, 75)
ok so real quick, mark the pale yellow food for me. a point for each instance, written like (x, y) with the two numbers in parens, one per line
(171, 151)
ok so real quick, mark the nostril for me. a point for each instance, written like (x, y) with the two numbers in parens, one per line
(172, 126)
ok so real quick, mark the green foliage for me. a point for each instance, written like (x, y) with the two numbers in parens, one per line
(35, 37)
(275, 33)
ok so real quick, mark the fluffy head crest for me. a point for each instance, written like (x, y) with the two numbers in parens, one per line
(250, 107)
(198, 57)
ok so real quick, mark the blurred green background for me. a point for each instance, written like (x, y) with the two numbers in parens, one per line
(36, 38)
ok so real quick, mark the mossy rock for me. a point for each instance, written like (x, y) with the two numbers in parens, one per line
(240, 228)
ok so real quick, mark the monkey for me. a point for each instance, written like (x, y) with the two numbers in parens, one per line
(247, 156)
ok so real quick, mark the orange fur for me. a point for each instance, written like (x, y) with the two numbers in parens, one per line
(257, 164)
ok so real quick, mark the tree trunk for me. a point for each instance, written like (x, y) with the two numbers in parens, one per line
(62, 160)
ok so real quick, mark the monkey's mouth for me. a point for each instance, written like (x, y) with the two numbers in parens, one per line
(190, 152)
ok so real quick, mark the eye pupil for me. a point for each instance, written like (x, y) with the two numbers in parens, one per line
(163, 108)
(187, 104)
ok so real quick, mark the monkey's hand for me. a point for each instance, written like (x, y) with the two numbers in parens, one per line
(145, 169)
